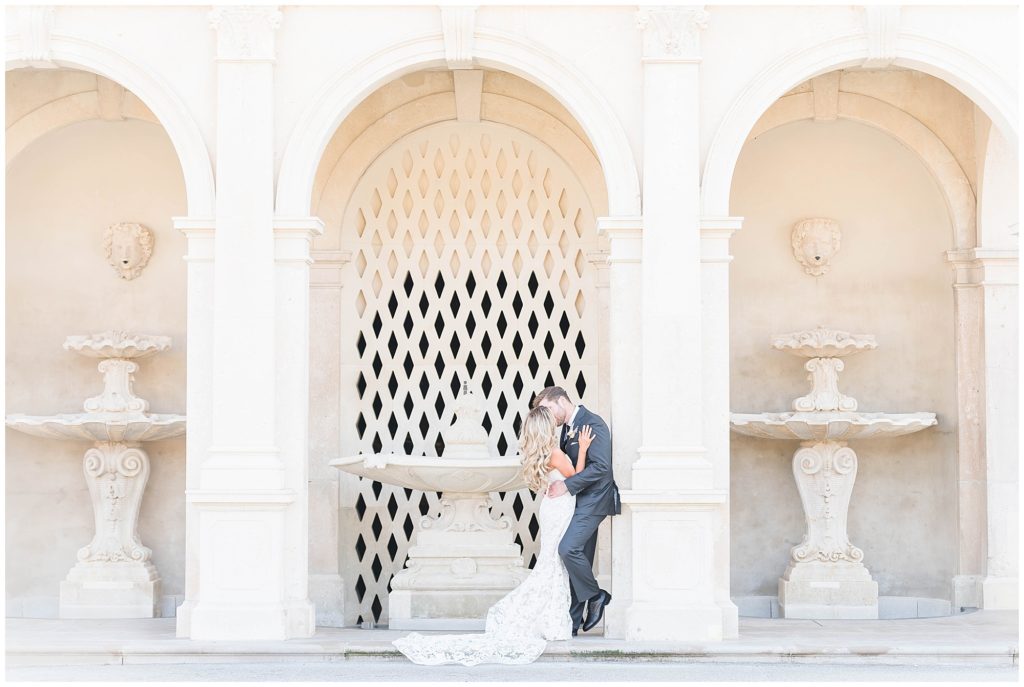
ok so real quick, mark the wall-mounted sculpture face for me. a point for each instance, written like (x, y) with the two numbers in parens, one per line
(128, 247)
(815, 241)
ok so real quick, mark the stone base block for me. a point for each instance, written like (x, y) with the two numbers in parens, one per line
(252, 621)
(327, 593)
(464, 609)
(1000, 593)
(817, 590)
(650, 622)
(123, 589)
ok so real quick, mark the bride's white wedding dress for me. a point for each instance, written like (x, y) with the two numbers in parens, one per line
(520, 625)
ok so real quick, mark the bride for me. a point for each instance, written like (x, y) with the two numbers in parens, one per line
(520, 625)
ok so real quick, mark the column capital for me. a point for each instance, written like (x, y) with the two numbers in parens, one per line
(625, 237)
(672, 34)
(983, 266)
(245, 33)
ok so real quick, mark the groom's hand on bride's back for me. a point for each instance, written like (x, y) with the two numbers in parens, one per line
(557, 488)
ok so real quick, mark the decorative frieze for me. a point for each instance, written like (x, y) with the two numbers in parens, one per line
(672, 33)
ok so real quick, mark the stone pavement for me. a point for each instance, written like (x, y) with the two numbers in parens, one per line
(376, 670)
(982, 638)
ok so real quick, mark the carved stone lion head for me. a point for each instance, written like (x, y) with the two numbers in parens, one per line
(815, 241)
(128, 247)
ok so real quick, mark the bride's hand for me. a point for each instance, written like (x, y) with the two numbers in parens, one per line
(586, 437)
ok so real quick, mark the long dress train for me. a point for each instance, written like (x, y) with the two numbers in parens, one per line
(521, 623)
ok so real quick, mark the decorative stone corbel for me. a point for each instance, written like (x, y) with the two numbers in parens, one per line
(882, 26)
(458, 24)
(34, 25)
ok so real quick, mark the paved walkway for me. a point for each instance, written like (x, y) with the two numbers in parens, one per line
(980, 638)
(374, 671)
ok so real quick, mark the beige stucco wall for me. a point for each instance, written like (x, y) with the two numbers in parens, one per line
(62, 192)
(888, 279)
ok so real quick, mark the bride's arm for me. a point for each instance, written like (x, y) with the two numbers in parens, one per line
(559, 461)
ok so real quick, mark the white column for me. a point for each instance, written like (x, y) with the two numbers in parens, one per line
(249, 490)
(293, 238)
(1000, 586)
(624, 364)
(198, 391)
(675, 508)
(601, 400)
(326, 584)
(985, 283)
(715, 259)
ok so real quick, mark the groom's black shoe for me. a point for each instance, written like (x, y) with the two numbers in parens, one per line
(595, 609)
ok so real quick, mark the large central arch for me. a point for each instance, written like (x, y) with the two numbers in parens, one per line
(491, 49)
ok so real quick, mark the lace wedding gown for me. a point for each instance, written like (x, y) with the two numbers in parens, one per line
(520, 625)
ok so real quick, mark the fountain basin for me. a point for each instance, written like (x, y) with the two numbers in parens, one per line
(112, 427)
(431, 473)
(117, 344)
(829, 426)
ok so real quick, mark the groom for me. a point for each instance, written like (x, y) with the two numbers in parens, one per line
(597, 496)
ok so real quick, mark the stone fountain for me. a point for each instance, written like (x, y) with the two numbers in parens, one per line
(114, 576)
(826, 576)
(465, 559)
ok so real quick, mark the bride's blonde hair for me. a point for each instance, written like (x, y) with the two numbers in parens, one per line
(536, 442)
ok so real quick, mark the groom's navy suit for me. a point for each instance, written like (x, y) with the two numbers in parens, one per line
(597, 497)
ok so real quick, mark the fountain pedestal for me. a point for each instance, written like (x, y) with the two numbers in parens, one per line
(462, 561)
(114, 576)
(826, 576)
(459, 565)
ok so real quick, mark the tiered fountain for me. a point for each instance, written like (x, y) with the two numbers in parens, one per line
(826, 577)
(114, 576)
(464, 560)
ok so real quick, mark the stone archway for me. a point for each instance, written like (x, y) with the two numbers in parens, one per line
(491, 49)
(929, 55)
(956, 188)
(78, 53)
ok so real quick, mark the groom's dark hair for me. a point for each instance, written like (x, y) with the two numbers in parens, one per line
(550, 393)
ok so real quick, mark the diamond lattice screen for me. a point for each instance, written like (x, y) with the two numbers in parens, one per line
(469, 262)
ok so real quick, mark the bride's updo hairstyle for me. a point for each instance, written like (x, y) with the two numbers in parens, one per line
(536, 442)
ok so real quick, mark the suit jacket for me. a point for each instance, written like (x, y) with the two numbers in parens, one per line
(594, 487)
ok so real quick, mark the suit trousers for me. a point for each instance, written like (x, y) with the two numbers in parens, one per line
(577, 548)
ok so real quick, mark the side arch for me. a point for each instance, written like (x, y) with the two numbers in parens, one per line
(929, 55)
(78, 53)
(908, 130)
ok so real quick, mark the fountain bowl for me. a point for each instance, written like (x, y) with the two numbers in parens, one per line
(431, 473)
(117, 344)
(829, 425)
(114, 427)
